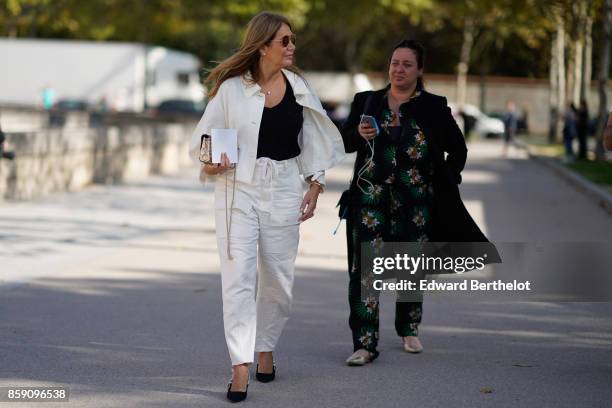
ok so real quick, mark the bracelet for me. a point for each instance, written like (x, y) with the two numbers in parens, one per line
(318, 184)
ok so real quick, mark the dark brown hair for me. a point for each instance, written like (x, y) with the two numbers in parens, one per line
(419, 51)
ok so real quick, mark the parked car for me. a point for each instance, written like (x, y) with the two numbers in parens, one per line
(71, 105)
(483, 125)
(174, 107)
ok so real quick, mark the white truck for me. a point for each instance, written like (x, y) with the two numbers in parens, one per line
(118, 76)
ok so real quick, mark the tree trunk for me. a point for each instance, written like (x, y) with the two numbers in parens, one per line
(579, 50)
(483, 87)
(585, 91)
(12, 25)
(11, 29)
(578, 70)
(560, 55)
(554, 91)
(144, 40)
(464, 61)
(33, 28)
(350, 55)
(604, 68)
(352, 62)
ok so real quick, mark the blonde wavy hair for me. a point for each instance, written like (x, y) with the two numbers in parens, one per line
(260, 31)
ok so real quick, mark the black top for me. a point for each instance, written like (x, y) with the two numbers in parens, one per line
(280, 127)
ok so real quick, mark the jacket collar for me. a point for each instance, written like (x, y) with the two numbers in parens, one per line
(298, 84)
(377, 103)
(249, 87)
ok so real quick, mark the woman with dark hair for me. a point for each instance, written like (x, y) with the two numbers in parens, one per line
(403, 187)
(283, 134)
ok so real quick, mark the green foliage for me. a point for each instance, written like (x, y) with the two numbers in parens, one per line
(510, 38)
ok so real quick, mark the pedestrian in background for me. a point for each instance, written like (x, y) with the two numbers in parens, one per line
(569, 131)
(284, 134)
(469, 122)
(607, 136)
(510, 125)
(582, 129)
(48, 97)
(3, 145)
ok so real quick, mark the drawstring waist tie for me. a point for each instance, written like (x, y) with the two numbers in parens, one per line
(267, 170)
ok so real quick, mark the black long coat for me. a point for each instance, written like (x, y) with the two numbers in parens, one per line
(451, 220)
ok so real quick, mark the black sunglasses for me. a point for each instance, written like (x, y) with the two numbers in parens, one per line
(285, 40)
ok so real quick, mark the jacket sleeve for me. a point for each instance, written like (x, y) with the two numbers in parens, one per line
(350, 136)
(453, 143)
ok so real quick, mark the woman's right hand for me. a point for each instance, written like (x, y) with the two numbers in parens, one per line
(366, 131)
(220, 168)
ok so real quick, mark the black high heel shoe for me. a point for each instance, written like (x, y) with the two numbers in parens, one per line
(265, 377)
(237, 396)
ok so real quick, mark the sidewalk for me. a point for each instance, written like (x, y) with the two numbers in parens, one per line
(115, 292)
(601, 194)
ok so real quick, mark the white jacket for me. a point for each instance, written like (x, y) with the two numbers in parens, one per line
(239, 105)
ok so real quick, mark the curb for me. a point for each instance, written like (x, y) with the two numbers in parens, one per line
(600, 196)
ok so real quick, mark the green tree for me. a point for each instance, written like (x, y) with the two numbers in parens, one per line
(341, 35)
(485, 26)
(603, 77)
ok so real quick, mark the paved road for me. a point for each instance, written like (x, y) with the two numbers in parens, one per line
(115, 292)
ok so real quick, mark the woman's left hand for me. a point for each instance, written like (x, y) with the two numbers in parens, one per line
(309, 203)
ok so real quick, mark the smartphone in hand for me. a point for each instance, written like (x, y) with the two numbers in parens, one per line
(371, 121)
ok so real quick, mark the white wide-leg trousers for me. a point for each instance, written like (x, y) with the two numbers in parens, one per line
(257, 282)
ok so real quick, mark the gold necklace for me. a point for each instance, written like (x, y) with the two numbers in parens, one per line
(264, 90)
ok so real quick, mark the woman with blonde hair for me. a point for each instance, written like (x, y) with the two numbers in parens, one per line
(284, 134)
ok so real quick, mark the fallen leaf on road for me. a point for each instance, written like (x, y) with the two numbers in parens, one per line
(486, 390)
